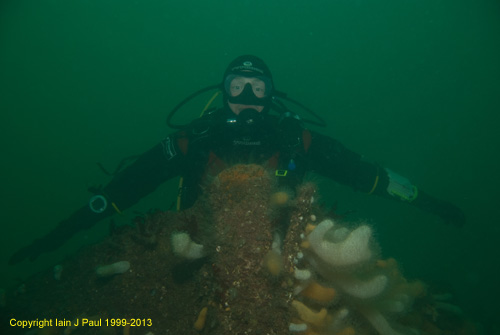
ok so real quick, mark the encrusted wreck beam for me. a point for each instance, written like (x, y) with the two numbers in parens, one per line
(250, 297)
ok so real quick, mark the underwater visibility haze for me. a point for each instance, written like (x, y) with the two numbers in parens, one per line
(412, 85)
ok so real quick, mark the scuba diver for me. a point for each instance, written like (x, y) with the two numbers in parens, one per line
(252, 126)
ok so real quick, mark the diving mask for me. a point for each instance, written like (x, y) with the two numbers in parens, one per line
(248, 90)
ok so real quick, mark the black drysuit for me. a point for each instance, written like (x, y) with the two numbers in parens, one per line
(211, 143)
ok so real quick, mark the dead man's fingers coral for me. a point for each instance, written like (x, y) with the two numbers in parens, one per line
(112, 269)
(363, 289)
(183, 246)
(354, 249)
(317, 319)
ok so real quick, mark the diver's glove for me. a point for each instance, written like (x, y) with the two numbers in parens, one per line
(83, 218)
(30, 252)
(448, 212)
(400, 187)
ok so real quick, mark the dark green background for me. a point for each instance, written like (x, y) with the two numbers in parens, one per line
(411, 84)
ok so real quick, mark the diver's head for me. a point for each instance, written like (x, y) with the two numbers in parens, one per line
(247, 85)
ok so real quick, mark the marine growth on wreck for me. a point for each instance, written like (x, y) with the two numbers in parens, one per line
(248, 258)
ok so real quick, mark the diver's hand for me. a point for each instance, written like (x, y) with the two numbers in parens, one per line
(83, 218)
(449, 213)
(30, 252)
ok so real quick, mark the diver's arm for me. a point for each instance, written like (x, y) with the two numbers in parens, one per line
(398, 187)
(332, 159)
(136, 181)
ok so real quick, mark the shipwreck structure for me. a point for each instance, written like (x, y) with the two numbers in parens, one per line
(248, 258)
